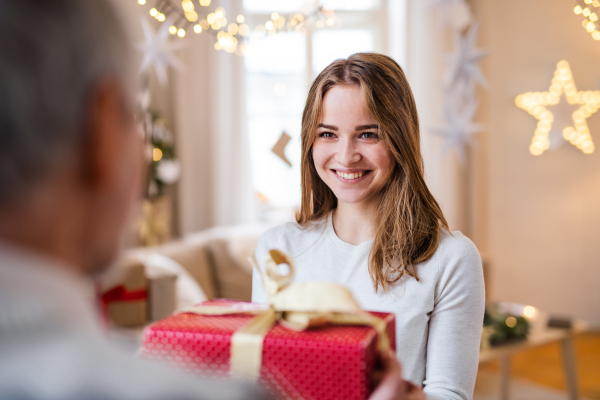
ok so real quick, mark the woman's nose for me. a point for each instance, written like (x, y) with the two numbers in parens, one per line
(348, 153)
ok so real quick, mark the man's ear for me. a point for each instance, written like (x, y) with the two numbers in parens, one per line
(104, 126)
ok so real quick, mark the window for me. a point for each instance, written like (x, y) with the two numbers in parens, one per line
(278, 72)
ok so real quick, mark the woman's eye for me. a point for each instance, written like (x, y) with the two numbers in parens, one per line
(326, 135)
(369, 135)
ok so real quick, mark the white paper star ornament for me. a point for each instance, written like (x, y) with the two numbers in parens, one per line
(459, 130)
(464, 62)
(159, 51)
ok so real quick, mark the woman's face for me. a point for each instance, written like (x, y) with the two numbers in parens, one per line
(348, 152)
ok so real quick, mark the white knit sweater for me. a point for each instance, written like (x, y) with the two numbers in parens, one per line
(438, 318)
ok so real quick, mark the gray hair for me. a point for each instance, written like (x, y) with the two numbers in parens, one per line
(52, 55)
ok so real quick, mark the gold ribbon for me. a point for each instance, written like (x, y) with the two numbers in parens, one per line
(297, 306)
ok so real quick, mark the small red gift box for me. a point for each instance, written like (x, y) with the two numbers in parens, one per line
(334, 362)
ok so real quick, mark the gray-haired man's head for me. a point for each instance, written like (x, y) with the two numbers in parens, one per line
(52, 54)
(70, 157)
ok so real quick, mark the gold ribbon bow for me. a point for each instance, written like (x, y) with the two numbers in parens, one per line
(297, 306)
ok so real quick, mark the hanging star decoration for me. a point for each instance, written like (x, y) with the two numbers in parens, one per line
(159, 51)
(454, 12)
(460, 79)
(464, 62)
(535, 104)
(459, 129)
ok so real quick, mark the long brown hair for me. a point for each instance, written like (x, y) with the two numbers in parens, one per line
(408, 218)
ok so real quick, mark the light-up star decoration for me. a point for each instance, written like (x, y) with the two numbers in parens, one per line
(158, 50)
(535, 104)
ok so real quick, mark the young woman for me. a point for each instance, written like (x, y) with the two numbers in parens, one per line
(369, 222)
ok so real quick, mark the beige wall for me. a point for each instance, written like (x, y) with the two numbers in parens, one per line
(541, 224)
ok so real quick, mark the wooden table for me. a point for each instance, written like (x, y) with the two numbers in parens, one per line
(539, 335)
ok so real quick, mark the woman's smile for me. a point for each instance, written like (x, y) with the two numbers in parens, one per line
(351, 176)
(348, 152)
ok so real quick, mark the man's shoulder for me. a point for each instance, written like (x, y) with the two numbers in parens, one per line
(76, 367)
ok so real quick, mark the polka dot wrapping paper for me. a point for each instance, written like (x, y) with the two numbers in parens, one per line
(335, 362)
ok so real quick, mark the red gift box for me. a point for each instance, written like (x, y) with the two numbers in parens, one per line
(334, 362)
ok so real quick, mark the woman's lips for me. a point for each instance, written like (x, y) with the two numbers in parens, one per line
(352, 176)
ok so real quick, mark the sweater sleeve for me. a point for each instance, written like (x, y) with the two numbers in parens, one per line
(269, 240)
(455, 322)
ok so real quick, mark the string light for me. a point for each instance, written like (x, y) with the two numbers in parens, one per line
(233, 29)
(230, 34)
(589, 24)
(511, 322)
(157, 154)
(243, 30)
(529, 311)
(534, 103)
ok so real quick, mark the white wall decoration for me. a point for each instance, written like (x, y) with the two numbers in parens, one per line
(460, 78)
(159, 51)
(459, 128)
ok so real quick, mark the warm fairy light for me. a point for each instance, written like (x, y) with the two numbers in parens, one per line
(211, 18)
(197, 28)
(529, 311)
(281, 22)
(511, 322)
(227, 41)
(275, 16)
(172, 29)
(157, 154)
(191, 16)
(142, 2)
(233, 29)
(330, 21)
(220, 12)
(216, 25)
(590, 26)
(187, 5)
(269, 25)
(240, 19)
(534, 103)
(181, 32)
(161, 17)
(205, 3)
(244, 29)
(153, 12)
(319, 24)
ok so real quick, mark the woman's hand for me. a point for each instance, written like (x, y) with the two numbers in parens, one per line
(392, 386)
